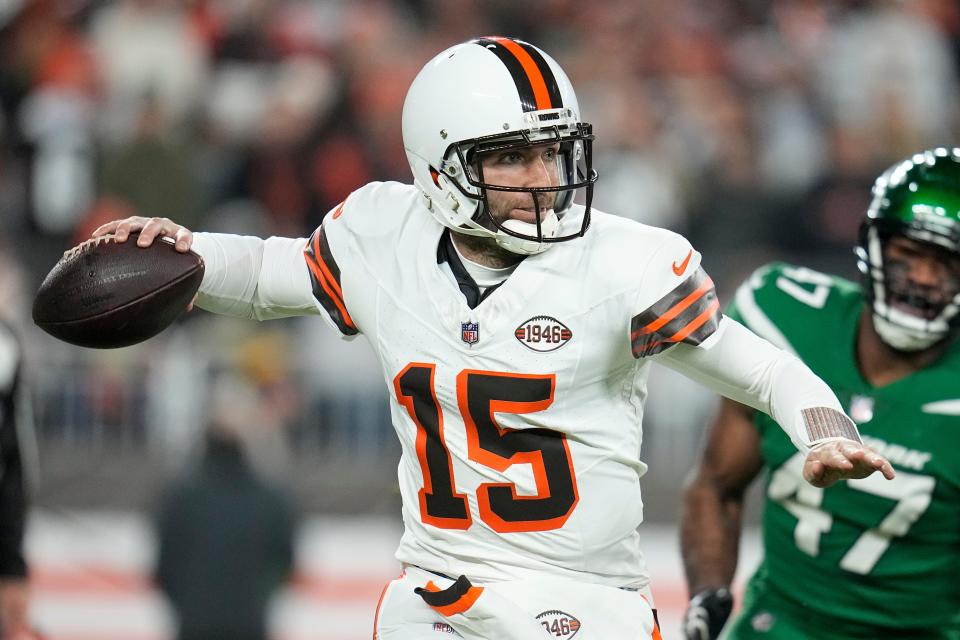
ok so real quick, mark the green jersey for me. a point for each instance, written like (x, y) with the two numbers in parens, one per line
(870, 553)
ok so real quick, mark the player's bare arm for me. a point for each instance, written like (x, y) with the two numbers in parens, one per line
(149, 229)
(712, 515)
(713, 499)
(713, 505)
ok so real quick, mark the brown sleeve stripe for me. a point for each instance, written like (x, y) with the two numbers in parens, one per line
(325, 278)
(708, 314)
(670, 306)
(697, 330)
(705, 286)
(690, 313)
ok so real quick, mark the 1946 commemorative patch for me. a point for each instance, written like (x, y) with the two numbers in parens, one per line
(543, 333)
(559, 624)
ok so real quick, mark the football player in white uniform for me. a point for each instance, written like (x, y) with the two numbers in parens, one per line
(515, 329)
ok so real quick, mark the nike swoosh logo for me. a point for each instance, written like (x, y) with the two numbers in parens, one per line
(679, 269)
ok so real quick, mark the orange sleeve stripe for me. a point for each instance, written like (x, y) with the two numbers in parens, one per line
(462, 604)
(318, 256)
(318, 274)
(696, 323)
(321, 278)
(331, 293)
(533, 72)
(676, 309)
(656, 633)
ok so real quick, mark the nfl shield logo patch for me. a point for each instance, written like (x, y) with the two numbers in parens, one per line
(470, 332)
(861, 409)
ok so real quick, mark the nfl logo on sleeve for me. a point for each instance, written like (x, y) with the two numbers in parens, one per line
(470, 332)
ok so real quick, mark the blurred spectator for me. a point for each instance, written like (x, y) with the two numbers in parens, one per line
(16, 453)
(152, 173)
(638, 164)
(225, 538)
(169, 107)
(278, 171)
(889, 75)
(52, 88)
(147, 47)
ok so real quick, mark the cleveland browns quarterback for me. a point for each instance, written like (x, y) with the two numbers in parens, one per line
(515, 326)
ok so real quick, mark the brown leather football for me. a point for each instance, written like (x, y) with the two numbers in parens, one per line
(106, 294)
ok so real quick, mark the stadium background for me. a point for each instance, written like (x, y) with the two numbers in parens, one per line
(753, 127)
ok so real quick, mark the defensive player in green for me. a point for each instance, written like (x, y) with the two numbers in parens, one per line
(863, 558)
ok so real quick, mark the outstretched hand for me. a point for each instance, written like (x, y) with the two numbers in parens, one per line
(844, 459)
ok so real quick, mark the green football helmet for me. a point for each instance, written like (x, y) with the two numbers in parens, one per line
(919, 199)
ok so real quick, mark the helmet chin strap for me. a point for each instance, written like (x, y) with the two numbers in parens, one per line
(549, 226)
(903, 338)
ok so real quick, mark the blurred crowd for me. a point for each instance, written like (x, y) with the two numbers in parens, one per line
(757, 120)
(753, 127)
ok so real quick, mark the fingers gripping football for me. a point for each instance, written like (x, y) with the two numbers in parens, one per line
(843, 459)
(149, 229)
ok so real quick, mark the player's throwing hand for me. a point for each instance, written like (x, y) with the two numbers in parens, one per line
(149, 228)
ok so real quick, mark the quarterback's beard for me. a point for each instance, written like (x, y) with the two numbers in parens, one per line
(505, 250)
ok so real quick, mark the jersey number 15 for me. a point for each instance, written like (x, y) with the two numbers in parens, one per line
(480, 395)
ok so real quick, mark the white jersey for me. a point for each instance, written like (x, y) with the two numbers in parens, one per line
(520, 419)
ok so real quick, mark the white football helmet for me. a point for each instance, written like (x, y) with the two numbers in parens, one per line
(496, 94)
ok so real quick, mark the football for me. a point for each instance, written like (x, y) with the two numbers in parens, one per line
(106, 294)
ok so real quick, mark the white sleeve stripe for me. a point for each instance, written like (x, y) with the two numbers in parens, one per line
(757, 321)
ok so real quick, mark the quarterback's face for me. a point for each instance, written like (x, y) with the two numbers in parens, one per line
(529, 167)
(922, 278)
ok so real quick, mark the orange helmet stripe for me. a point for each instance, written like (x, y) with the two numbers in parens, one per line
(534, 75)
(536, 83)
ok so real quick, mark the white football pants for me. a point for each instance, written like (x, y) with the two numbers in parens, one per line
(517, 610)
